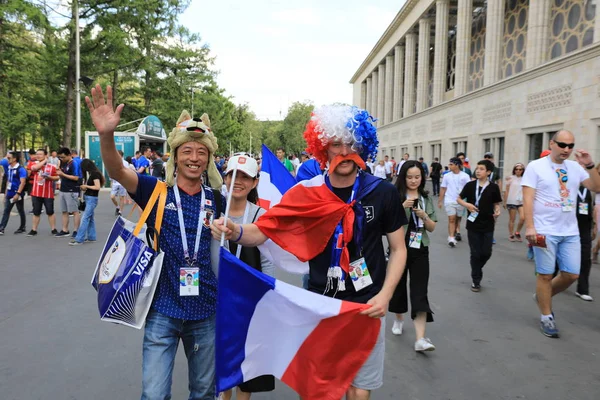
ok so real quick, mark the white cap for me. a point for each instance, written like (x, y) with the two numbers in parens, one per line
(244, 163)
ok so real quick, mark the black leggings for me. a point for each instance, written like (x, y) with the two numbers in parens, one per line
(417, 264)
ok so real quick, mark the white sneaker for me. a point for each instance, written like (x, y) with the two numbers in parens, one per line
(585, 297)
(424, 344)
(397, 328)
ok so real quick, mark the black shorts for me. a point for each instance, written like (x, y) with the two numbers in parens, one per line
(263, 383)
(37, 205)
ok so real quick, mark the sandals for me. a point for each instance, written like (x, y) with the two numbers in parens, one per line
(518, 236)
(511, 238)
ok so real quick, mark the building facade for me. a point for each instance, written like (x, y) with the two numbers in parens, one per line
(478, 76)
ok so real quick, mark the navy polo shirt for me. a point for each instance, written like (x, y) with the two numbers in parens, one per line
(14, 179)
(167, 300)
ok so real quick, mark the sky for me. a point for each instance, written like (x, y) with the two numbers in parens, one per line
(271, 53)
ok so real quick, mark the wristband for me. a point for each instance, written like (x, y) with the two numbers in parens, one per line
(590, 166)
(241, 233)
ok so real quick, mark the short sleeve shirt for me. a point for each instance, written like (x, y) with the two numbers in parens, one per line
(490, 195)
(454, 183)
(15, 174)
(548, 215)
(383, 214)
(43, 187)
(167, 300)
(69, 185)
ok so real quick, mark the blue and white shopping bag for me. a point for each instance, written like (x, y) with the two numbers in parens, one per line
(128, 271)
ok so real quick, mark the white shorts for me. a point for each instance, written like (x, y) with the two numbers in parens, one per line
(118, 190)
(454, 209)
(370, 375)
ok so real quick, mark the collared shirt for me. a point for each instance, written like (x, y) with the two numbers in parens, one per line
(14, 179)
(68, 185)
(167, 300)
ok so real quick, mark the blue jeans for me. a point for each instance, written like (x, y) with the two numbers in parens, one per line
(161, 339)
(566, 250)
(87, 227)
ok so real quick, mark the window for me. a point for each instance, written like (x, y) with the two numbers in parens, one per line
(538, 142)
(436, 151)
(495, 145)
(392, 152)
(459, 146)
(417, 152)
(403, 150)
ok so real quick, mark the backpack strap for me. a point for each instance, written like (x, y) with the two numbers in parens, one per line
(256, 215)
(218, 202)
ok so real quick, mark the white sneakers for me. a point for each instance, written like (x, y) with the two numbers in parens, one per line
(424, 344)
(585, 297)
(397, 328)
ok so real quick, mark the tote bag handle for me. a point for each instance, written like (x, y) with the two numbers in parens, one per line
(159, 193)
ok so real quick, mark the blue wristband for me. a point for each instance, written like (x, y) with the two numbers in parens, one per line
(241, 233)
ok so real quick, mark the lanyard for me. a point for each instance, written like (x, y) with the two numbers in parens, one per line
(11, 173)
(244, 221)
(338, 235)
(186, 253)
(582, 195)
(478, 193)
(414, 216)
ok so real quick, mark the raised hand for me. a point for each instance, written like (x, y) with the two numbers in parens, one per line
(583, 157)
(105, 119)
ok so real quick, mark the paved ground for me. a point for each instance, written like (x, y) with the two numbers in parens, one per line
(53, 345)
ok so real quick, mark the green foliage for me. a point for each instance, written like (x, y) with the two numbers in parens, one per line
(289, 132)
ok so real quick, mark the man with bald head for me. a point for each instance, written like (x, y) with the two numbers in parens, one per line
(550, 190)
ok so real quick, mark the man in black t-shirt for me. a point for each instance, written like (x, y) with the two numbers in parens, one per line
(377, 208)
(482, 199)
(436, 174)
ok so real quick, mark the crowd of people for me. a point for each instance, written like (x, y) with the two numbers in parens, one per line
(552, 198)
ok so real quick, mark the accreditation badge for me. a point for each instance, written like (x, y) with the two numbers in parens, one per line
(473, 216)
(189, 281)
(583, 208)
(359, 273)
(415, 239)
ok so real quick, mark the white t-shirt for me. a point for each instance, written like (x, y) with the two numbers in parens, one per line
(515, 192)
(548, 216)
(379, 171)
(454, 184)
(388, 167)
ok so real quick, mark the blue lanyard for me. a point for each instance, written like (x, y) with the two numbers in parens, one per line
(338, 235)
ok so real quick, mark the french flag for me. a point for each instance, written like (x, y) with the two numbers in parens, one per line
(314, 344)
(274, 181)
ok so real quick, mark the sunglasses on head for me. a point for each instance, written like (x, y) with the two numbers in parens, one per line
(563, 145)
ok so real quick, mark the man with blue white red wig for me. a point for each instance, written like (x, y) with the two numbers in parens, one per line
(335, 222)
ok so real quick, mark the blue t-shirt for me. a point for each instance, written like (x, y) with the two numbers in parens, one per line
(77, 165)
(4, 163)
(142, 162)
(167, 300)
(14, 179)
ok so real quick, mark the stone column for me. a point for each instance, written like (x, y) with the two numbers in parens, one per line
(538, 32)
(381, 95)
(363, 94)
(369, 96)
(374, 89)
(409, 74)
(463, 46)
(423, 65)
(440, 56)
(493, 41)
(398, 81)
(597, 23)
(389, 89)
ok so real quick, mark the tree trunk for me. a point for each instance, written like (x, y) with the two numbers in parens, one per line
(115, 84)
(68, 131)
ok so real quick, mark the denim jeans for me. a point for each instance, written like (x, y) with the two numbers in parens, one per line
(435, 182)
(161, 339)
(87, 227)
(566, 250)
(8, 206)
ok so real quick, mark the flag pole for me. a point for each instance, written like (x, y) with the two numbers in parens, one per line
(228, 204)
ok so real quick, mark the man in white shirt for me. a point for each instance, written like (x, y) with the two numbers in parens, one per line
(550, 188)
(405, 158)
(452, 185)
(389, 166)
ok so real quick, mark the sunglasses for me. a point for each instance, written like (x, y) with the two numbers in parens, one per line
(563, 145)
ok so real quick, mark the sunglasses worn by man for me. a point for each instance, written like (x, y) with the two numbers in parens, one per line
(563, 145)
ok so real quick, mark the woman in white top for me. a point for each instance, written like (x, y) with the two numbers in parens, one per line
(380, 170)
(513, 201)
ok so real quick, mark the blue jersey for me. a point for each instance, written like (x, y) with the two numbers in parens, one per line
(4, 163)
(14, 179)
(143, 162)
(167, 300)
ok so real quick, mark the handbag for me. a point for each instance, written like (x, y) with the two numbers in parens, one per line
(129, 267)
